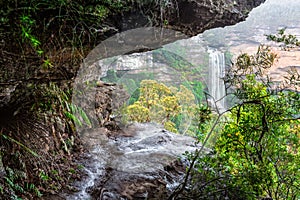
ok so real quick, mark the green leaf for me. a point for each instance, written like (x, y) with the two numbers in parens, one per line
(19, 143)
(73, 117)
(85, 117)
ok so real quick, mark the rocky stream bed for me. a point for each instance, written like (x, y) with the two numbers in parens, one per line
(140, 161)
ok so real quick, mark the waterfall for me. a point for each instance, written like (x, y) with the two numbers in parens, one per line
(216, 84)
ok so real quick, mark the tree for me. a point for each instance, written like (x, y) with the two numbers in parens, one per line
(172, 107)
(257, 153)
(261, 152)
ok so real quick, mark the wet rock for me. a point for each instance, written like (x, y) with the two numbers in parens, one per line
(144, 164)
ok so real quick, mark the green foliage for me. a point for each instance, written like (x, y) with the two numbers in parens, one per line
(19, 189)
(24, 141)
(129, 85)
(138, 113)
(175, 59)
(197, 88)
(134, 96)
(287, 41)
(32, 187)
(26, 27)
(170, 126)
(111, 76)
(256, 153)
(35, 27)
(258, 143)
(172, 107)
(57, 100)
(156, 103)
(228, 57)
(44, 176)
(130, 82)
(10, 180)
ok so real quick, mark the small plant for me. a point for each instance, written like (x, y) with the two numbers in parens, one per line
(72, 171)
(61, 101)
(10, 179)
(80, 167)
(20, 144)
(287, 41)
(44, 176)
(32, 187)
(26, 26)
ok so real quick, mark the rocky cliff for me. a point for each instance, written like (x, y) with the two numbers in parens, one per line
(187, 16)
(52, 53)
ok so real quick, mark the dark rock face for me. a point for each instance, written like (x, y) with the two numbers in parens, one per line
(120, 185)
(101, 102)
(108, 99)
(189, 16)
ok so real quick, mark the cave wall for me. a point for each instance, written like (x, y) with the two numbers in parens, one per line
(190, 17)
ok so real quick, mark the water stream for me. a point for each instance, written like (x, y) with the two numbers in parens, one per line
(142, 153)
(216, 84)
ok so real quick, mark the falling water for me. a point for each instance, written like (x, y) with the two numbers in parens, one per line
(216, 85)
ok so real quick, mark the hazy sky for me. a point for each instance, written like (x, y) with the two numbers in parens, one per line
(276, 13)
(265, 19)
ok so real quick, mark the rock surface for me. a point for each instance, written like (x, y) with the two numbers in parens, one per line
(102, 103)
(190, 17)
(137, 162)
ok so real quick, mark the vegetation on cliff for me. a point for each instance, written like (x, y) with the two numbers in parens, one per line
(43, 43)
(255, 146)
(173, 108)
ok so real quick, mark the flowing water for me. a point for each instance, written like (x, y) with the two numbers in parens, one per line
(140, 150)
(216, 84)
